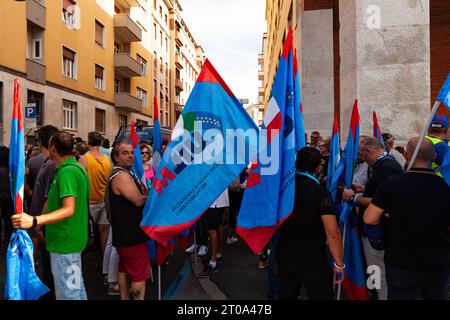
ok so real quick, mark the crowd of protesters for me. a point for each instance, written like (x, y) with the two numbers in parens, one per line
(76, 189)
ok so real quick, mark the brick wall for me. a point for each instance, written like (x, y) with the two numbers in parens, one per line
(439, 45)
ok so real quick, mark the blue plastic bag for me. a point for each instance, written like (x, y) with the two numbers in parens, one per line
(22, 283)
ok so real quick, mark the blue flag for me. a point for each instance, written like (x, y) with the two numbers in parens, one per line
(193, 171)
(22, 283)
(444, 94)
(269, 197)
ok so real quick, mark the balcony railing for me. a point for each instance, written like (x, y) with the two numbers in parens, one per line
(36, 71)
(126, 66)
(126, 28)
(126, 102)
(178, 85)
(36, 13)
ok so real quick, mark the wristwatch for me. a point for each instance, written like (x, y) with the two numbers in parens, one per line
(34, 222)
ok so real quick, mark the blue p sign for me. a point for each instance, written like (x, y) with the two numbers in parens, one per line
(30, 111)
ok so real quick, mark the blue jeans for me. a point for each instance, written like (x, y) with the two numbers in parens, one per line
(402, 284)
(68, 276)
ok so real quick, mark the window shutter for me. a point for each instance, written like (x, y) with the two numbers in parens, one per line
(99, 33)
(69, 54)
(98, 71)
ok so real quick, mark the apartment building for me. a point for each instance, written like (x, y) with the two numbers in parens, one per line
(87, 64)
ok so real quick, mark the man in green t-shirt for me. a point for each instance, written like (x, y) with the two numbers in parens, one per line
(66, 221)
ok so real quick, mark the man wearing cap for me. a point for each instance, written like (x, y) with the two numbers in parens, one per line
(388, 140)
(436, 134)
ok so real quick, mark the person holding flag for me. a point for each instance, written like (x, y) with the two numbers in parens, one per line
(417, 253)
(126, 200)
(382, 166)
(301, 253)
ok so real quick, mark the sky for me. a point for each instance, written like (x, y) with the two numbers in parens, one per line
(230, 32)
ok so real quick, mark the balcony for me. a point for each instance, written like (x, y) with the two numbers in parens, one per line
(178, 38)
(261, 75)
(178, 62)
(162, 78)
(260, 59)
(128, 3)
(178, 85)
(36, 13)
(126, 102)
(126, 66)
(126, 29)
(36, 71)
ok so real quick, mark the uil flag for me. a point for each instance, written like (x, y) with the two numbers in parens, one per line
(193, 171)
(354, 283)
(444, 94)
(157, 137)
(333, 161)
(138, 166)
(376, 129)
(269, 197)
(22, 282)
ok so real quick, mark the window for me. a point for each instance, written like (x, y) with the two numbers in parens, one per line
(37, 49)
(68, 13)
(160, 11)
(99, 33)
(154, 4)
(161, 38)
(143, 63)
(142, 95)
(116, 86)
(166, 20)
(141, 122)
(155, 88)
(161, 65)
(37, 98)
(123, 120)
(69, 115)
(156, 31)
(99, 77)
(69, 63)
(100, 120)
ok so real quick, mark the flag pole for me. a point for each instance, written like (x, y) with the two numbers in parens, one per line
(343, 250)
(159, 282)
(422, 136)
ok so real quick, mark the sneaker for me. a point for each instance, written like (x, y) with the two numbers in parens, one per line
(208, 271)
(191, 248)
(113, 289)
(202, 251)
(263, 264)
(232, 240)
(219, 260)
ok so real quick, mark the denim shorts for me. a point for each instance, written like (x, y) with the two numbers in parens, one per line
(68, 276)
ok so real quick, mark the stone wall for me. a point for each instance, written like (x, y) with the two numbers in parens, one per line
(317, 70)
(386, 68)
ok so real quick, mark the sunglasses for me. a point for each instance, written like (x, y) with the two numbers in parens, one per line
(145, 152)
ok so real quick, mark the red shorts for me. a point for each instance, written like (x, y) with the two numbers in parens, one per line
(135, 261)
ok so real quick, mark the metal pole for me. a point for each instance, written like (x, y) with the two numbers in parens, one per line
(343, 250)
(422, 136)
(159, 282)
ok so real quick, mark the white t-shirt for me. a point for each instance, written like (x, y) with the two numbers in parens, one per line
(221, 201)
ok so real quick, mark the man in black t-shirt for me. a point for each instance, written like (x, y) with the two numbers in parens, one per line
(381, 166)
(301, 254)
(417, 235)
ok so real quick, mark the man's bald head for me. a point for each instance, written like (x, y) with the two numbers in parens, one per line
(426, 151)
